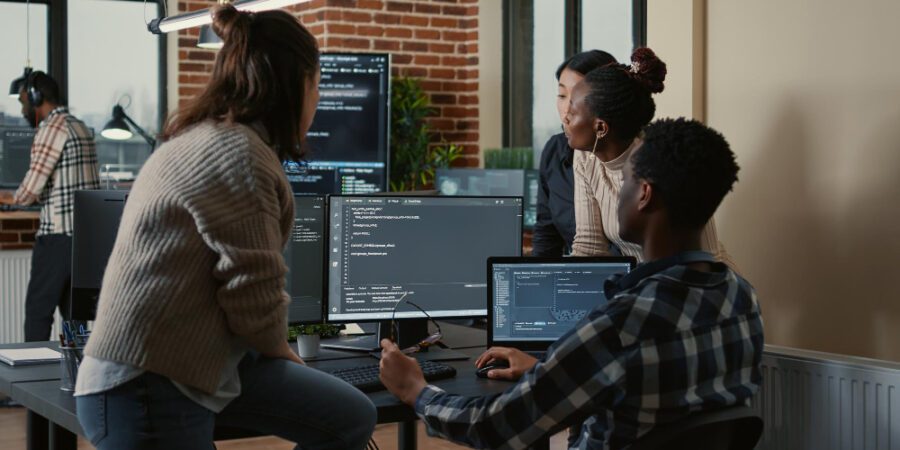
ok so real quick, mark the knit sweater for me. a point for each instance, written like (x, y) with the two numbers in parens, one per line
(198, 258)
(597, 187)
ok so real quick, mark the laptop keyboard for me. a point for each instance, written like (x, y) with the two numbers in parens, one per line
(365, 378)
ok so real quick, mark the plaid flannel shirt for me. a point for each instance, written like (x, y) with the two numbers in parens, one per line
(671, 341)
(63, 160)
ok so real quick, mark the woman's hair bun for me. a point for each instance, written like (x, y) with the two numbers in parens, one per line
(648, 70)
(230, 24)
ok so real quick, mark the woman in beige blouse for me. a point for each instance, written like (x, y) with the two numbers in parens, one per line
(607, 112)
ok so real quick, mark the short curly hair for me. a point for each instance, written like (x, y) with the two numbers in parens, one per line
(691, 167)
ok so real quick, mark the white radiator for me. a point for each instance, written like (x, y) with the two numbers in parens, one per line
(821, 401)
(15, 269)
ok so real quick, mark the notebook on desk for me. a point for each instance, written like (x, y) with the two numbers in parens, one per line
(534, 301)
(28, 356)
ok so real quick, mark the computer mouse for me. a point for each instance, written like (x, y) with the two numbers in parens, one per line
(498, 364)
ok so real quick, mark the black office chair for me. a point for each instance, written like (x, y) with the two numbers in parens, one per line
(734, 428)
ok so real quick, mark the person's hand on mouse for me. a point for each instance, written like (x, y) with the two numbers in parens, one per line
(519, 362)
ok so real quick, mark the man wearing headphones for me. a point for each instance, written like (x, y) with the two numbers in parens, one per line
(63, 160)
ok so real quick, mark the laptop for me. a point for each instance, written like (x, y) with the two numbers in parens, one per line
(533, 301)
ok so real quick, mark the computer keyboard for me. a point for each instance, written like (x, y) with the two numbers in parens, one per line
(365, 378)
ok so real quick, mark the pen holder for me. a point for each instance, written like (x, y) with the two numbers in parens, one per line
(71, 359)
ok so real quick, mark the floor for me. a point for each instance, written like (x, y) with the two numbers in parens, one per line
(12, 437)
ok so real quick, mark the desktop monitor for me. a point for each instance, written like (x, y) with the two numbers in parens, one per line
(348, 140)
(492, 182)
(304, 258)
(95, 224)
(431, 249)
(15, 155)
(534, 301)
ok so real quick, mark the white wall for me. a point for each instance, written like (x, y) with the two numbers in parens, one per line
(490, 74)
(808, 95)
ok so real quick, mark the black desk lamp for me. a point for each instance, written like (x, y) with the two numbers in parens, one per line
(17, 84)
(118, 127)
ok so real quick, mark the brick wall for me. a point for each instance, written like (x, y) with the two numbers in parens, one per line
(435, 40)
(17, 230)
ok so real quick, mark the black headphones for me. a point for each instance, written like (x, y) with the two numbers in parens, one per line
(35, 97)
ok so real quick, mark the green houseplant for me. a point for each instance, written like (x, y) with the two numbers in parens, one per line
(308, 337)
(413, 159)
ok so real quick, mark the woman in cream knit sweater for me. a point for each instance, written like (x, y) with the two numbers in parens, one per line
(191, 323)
(607, 111)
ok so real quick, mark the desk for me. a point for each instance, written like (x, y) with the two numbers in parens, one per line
(37, 388)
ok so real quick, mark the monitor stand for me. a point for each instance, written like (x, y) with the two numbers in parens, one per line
(409, 333)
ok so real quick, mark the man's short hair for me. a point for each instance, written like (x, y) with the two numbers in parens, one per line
(690, 166)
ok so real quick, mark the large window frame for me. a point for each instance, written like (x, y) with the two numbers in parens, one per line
(58, 53)
(517, 53)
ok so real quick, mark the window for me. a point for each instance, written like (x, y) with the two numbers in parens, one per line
(13, 54)
(113, 59)
(538, 36)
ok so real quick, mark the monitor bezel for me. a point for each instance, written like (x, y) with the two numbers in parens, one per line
(536, 345)
(321, 318)
(326, 254)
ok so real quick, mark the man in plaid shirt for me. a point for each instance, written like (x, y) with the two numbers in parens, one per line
(680, 334)
(63, 160)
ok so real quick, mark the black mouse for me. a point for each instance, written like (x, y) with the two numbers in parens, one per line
(498, 364)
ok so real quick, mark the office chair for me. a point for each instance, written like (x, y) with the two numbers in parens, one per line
(733, 428)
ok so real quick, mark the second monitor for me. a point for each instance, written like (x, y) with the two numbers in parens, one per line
(432, 249)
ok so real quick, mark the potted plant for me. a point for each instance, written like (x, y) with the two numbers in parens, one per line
(308, 337)
(413, 157)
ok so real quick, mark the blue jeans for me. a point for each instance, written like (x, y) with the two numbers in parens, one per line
(302, 405)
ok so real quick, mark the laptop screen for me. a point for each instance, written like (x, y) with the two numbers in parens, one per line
(536, 302)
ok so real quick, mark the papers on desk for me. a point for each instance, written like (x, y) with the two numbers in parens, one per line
(28, 356)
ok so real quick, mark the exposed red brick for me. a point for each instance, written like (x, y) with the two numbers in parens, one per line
(454, 10)
(427, 60)
(443, 99)
(427, 8)
(356, 43)
(370, 4)
(427, 34)
(468, 23)
(388, 19)
(393, 46)
(26, 237)
(432, 86)
(459, 112)
(17, 224)
(467, 100)
(415, 47)
(453, 60)
(416, 72)
(398, 6)
(340, 28)
(198, 55)
(353, 16)
(455, 86)
(366, 30)
(461, 137)
(444, 22)
(9, 237)
(341, 3)
(467, 125)
(454, 35)
(467, 74)
(415, 21)
(446, 74)
(192, 67)
(402, 33)
(440, 124)
(401, 59)
(439, 48)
